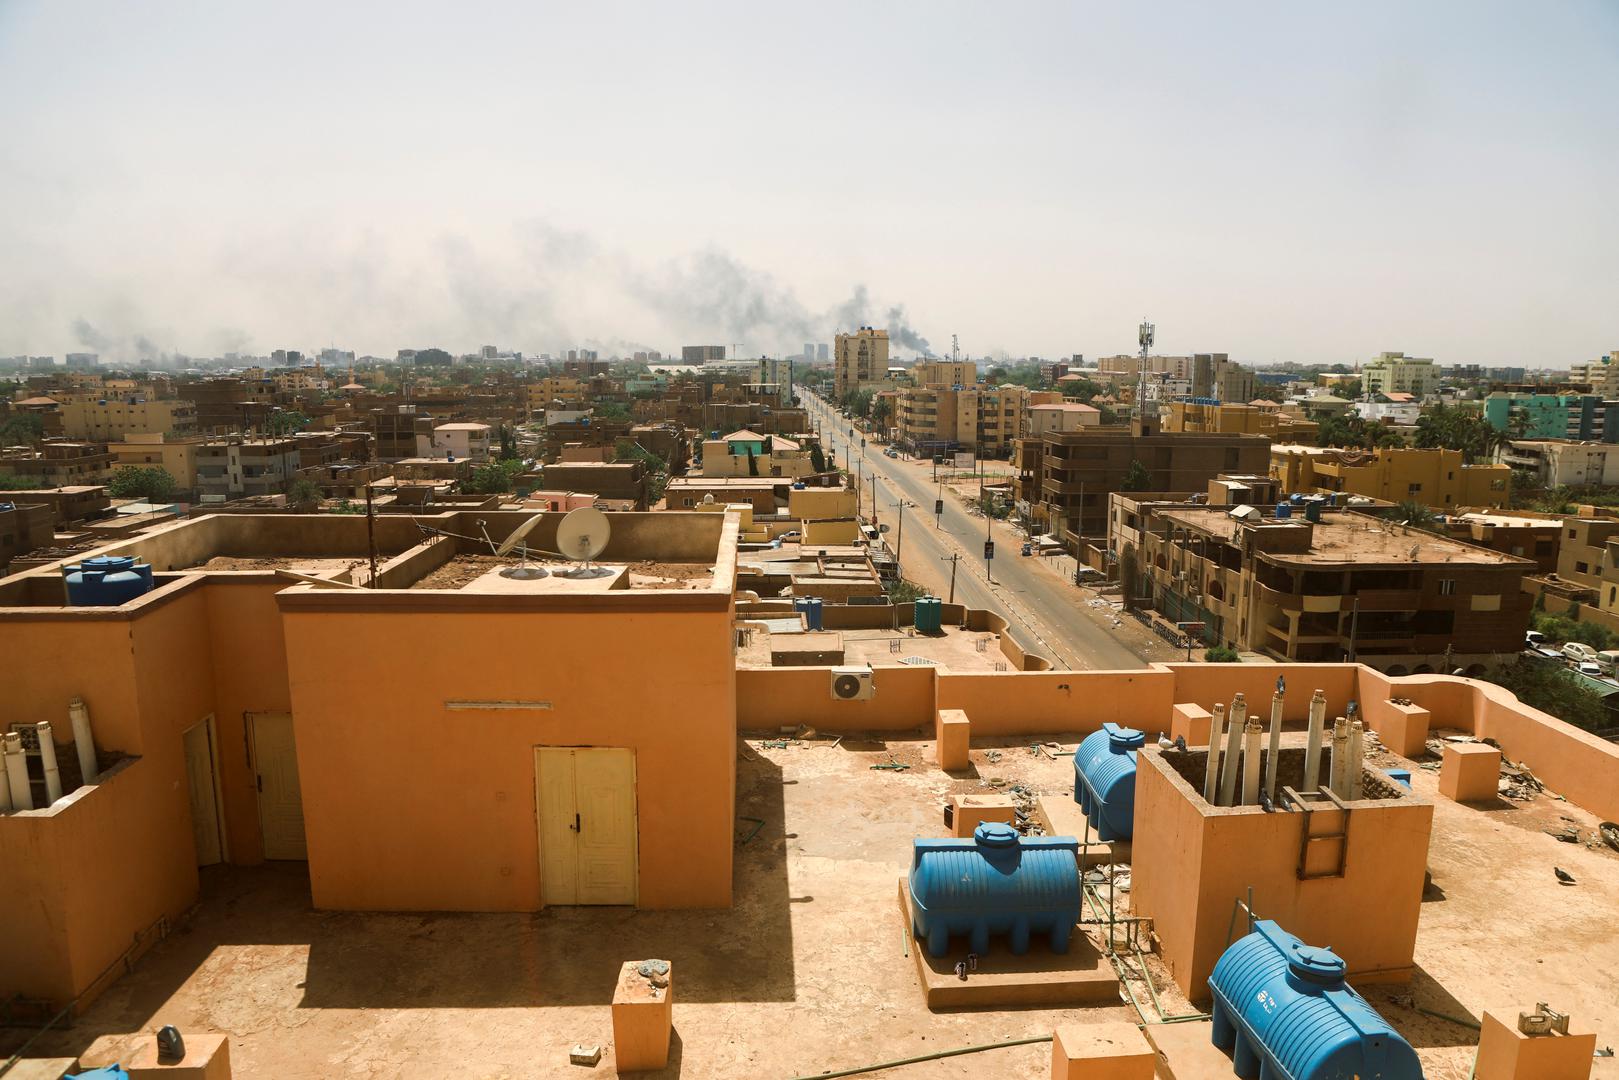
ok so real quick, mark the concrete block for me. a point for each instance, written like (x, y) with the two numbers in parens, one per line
(1112, 1051)
(643, 1018)
(1192, 721)
(1505, 1053)
(1470, 772)
(952, 733)
(1405, 729)
(207, 1056)
(969, 810)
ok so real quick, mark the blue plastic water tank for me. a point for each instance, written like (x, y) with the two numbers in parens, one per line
(995, 883)
(1283, 1009)
(929, 615)
(815, 606)
(1284, 511)
(801, 606)
(106, 581)
(1105, 780)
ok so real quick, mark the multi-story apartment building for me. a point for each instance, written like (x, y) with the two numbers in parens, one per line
(394, 429)
(701, 354)
(177, 457)
(109, 419)
(1065, 477)
(862, 359)
(229, 404)
(944, 373)
(1204, 375)
(1399, 373)
(1553, 416)
(1601, 374)
(1435, 478)
(1044, 418)
(1529, 536)
(750, 453)
(1209, 417)
(1329, 586)
(984, 418)
(1562, 463)
(463, 442)
(59, 463)
(237, 466)
(555, 389)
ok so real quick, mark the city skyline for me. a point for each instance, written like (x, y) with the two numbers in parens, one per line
(1433, 180)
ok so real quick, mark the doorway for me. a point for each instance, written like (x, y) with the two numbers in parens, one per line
(275, 771)
(202, 781)
(584, 798)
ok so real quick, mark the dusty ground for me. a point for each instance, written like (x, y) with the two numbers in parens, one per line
(953, 650)
(806, 973)
(311, 567)
(462, 570)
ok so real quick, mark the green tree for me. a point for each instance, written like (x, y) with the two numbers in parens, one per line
(1137, 478)
(1413, 513)
(304, 495)
(152, 483)
(611, 410)
(1552, 689)
(1219, 654)
(882, 409)
(1450, 427)
(901, 591)
(488, 479)
(817, 458)
(286, 421)
(1267, 392)
(508, 443)
(21, 429)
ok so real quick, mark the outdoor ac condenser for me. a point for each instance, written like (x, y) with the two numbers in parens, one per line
(852, 684)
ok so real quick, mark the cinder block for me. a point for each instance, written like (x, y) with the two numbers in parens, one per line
(1111, 1051)
(969, 810)
(952, 733)
(1505, 1053)
(207, 1056)
(1470, 772)
(643, 1018)
(1192, 721)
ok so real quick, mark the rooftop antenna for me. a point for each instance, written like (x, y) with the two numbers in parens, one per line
(527, 571)
(955, 349)
(581, 537)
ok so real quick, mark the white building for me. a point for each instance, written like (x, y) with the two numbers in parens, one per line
(459, 442)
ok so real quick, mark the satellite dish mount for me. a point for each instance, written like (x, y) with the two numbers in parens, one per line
(581, 537)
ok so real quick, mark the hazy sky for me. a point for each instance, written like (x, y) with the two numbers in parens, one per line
(1281, 181)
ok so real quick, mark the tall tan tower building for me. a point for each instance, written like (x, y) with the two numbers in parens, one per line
(862, 357)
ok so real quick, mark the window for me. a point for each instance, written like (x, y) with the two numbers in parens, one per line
(1413, 489)
(1581, 568)
(1571, 534)
(1447, 586)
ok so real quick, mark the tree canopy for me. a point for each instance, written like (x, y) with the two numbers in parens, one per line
(150, 482)
(1449, 427)
(1137, 478)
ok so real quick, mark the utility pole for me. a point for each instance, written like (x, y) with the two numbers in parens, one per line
(1354, 624)
(1077, 562)
(899, 537)
(371, 534)
(952, 560)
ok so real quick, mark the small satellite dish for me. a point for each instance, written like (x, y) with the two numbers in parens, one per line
(527, 571)
(581, 537)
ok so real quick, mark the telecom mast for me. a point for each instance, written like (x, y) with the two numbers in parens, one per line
(1144, 335)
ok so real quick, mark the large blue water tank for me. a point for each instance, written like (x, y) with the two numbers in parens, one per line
(995, 883)
(106, 581)
(1105, 780)
(816, 604)
(1283, 1009)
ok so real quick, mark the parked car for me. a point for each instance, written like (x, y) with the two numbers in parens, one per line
(1028, 548)
(1533, 639)
(1580, 653)
(1609, 659)
(1593, 670)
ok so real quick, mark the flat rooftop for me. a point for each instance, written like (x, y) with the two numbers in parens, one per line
(954, 649)
(1347, 538)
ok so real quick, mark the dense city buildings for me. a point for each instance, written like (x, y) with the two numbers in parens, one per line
(1437, 478)
(1395, 372)
(861, 360)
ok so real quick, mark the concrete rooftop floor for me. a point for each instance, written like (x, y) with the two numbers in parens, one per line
(806, 973)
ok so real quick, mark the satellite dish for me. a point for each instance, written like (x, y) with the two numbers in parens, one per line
(527, 571)
(581, 537)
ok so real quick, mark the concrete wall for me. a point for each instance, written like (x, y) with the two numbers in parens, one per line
(769, 698)
(1191, 862)
(409, 805)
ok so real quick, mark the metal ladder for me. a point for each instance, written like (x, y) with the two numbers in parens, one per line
(1308, 804)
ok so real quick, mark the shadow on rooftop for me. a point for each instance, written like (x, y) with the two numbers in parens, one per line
(1400, 1005)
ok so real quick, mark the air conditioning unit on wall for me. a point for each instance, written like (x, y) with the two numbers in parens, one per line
(852, 684)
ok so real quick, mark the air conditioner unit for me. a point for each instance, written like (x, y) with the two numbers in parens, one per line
(852, 684)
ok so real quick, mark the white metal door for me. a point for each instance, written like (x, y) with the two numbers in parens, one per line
(585, 798)
(201, 779)
(281, 805)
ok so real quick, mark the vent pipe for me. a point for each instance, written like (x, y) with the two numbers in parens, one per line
(1250, 761)
(1233, 747)
(1338, 770)
(1275, 747)
(1211, 779)
(83, 742)
(1357, 754)
(22, 792)
(1312, 751)
(47, 761)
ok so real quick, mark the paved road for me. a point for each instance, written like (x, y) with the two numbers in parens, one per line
(1036, 604)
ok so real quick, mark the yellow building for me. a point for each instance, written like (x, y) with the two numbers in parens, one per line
(1203, 418)
(100, 419)
(553, 389)
(747, 453)
(861, 359)
(944, 373)
(987, 418)
(1435, 478)
(1397, 373)
(178, 457)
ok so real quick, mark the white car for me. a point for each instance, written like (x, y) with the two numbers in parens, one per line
(1580, 653)
(1593, 670)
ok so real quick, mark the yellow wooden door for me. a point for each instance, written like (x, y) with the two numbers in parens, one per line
(281, 804)
(585, 800)
(199, 748)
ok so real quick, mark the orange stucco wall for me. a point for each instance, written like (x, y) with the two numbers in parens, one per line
(768, 698)
(1190, 863)
(409, 805)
